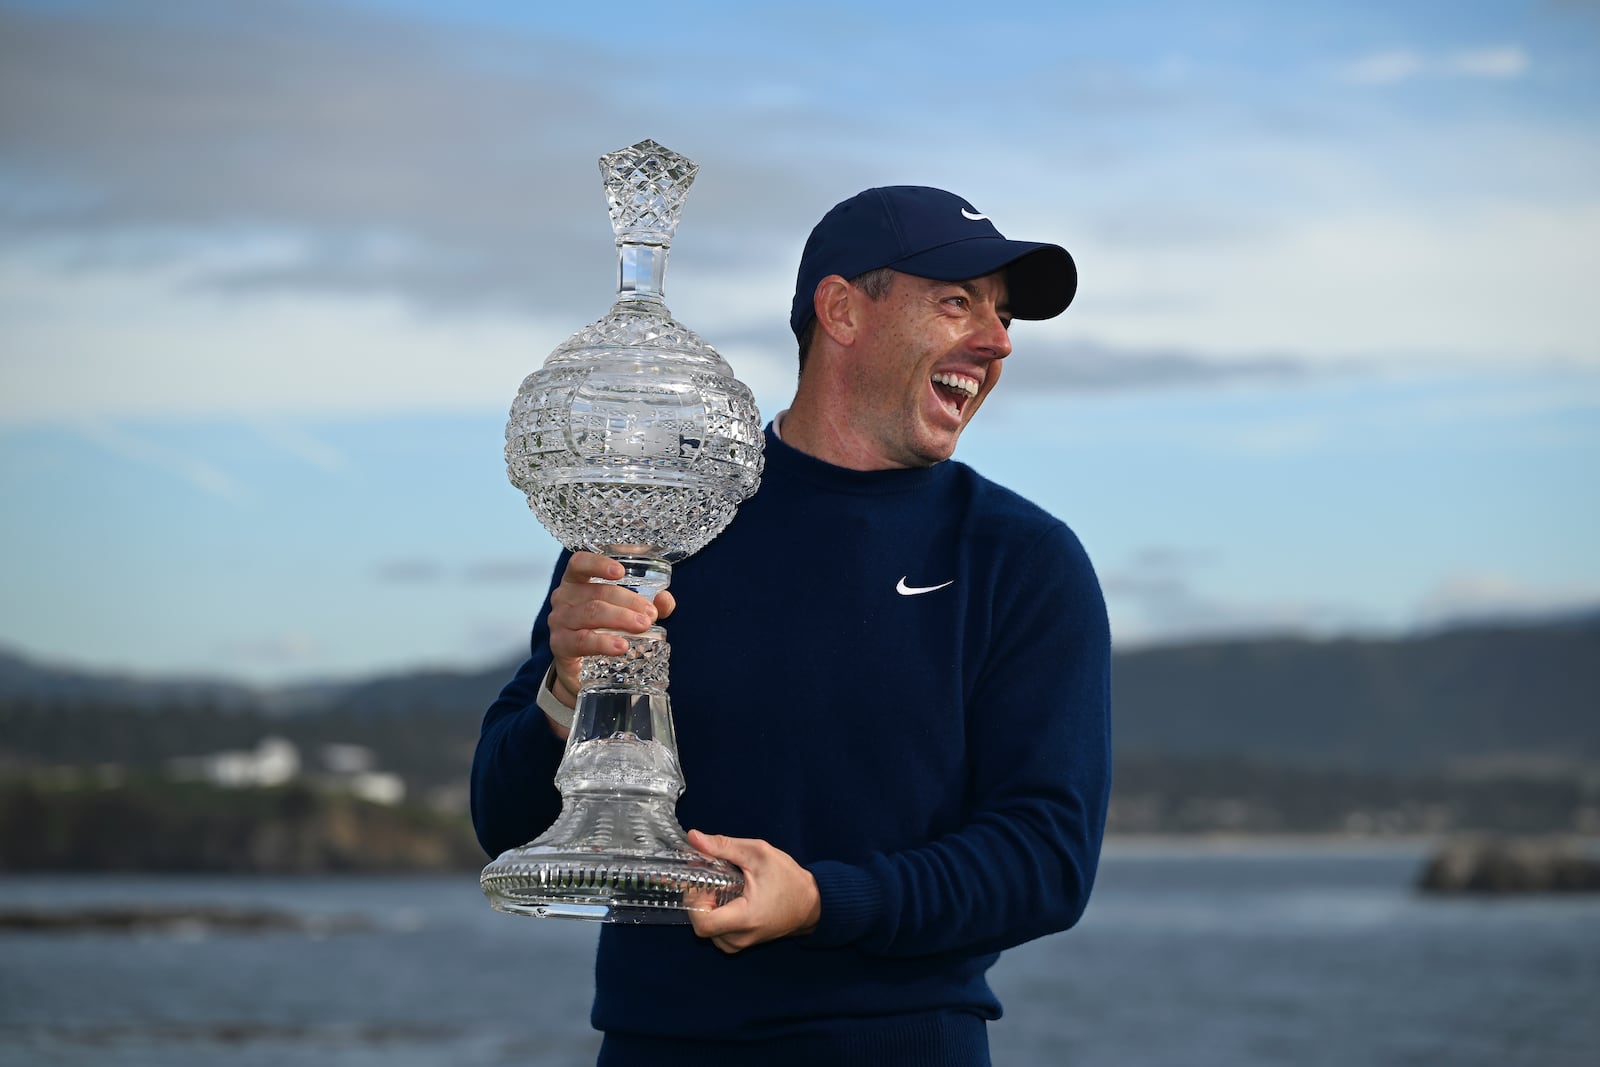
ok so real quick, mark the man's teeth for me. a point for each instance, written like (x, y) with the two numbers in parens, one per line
(958, 381)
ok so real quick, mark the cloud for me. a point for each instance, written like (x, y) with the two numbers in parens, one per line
(1395, 65)
(1383, 68)
(294, 208)
(1509, 61)
(1158, 597)
(1092, 366)
(508, 572)
(494, 572)
(297, 441)
(1496, 279)
(279, 651)
(198, 473)
(377, 152)
(408, 572)
(1167, 559)
(501, 638)
(1489, 595)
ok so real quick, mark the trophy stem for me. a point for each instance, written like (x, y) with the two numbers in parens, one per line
(616, 853)
(645, 575)
(641, 272)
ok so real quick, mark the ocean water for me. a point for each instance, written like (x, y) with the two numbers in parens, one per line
(1191, 954)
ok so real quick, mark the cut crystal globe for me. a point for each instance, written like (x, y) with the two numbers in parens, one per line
(634, 440)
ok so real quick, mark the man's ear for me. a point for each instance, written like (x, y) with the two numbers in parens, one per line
(834, 305)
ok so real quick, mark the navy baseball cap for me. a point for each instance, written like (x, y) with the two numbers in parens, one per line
(932, 234)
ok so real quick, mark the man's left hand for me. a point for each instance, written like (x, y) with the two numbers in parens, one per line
(780, 896)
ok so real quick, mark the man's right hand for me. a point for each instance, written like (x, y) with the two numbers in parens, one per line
(581, 608)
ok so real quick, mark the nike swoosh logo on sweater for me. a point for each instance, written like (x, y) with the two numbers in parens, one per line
(916, 590)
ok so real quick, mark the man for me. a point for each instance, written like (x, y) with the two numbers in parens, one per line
(890, 680)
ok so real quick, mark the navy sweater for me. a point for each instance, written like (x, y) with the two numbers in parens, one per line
(940, 761)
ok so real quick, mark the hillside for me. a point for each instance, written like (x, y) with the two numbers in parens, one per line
(1492, 694)
(1432, 702)
(1491, 727)
(153, 825)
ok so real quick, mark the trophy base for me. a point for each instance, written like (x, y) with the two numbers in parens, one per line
(655, 878)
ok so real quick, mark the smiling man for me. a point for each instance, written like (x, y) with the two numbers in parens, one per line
(897, 374)
(938, 279)
(890, 680)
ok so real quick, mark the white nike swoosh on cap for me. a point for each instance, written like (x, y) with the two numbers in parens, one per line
(913, 590)
(973, 215)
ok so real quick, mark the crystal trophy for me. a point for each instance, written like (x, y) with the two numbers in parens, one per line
(634, 440)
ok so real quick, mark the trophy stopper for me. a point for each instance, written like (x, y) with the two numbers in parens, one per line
(646, 185)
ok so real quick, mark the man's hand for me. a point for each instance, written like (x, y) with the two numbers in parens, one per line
(780, 896)
(581, 608)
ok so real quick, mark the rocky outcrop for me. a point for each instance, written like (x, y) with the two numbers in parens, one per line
(1513, 865)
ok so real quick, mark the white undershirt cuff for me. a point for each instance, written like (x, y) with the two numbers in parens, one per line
(548, 702)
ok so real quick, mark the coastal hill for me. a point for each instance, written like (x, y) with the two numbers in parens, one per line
(1485, 696)
(1481, 695)
(1491, 726)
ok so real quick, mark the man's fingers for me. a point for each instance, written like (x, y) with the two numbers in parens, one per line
(697, 899)
(727, 927)
(718, 921)
(579, 610)
(585, 599)
(579, 603)
(615, 607)
(576, 644)
(583, 566)
(780, 897)
(592, 570)
(743, 852)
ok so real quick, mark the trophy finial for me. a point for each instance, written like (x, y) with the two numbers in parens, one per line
(645, 188)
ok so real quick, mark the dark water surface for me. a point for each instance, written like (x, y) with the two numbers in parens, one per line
(1190, 955)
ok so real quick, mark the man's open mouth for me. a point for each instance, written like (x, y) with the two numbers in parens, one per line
(956, 389)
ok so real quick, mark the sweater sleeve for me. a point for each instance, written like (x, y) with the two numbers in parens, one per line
(1039, 741)
(514, 797)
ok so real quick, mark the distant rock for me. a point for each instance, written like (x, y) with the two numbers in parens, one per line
(1516, 865)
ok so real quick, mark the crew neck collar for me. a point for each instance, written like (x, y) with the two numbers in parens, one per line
(785, 458)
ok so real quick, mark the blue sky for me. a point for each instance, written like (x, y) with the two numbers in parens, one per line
(270, 275)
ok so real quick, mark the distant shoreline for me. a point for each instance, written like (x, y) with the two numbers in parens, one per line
(173, 919)
(1124, 843)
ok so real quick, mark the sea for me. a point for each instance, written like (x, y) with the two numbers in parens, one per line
(1204, 954)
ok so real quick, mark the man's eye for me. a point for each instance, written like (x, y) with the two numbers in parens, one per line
(959, 301)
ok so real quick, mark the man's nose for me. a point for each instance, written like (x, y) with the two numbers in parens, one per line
(992, 337)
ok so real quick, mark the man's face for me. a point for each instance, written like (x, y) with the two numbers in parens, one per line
(927, 354)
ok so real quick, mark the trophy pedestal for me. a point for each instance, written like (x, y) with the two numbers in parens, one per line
(611, 859)
(616, 853)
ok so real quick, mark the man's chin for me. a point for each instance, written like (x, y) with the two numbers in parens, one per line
(930, 452)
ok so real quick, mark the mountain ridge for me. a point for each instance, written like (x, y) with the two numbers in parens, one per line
(1438, 700)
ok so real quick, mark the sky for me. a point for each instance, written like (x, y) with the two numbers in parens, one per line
(271, 273)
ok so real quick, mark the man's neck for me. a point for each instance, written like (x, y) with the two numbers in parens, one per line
(831, 440)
